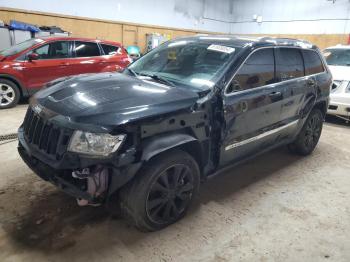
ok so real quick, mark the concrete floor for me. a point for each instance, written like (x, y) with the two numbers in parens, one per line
(278, 207)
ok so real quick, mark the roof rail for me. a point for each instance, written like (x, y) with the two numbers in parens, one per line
(287, 41)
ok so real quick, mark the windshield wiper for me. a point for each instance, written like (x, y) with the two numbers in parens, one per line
(131, 71)
(158, 78)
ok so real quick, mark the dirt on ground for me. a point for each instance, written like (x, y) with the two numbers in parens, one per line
(277, 207)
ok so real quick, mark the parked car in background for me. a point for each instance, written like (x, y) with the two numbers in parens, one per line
(145, 138)
(338, 60)
(27, 67)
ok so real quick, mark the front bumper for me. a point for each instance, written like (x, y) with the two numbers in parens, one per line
(59, 172)
(58, 178)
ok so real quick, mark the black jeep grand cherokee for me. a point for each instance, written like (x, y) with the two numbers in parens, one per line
(188, 108)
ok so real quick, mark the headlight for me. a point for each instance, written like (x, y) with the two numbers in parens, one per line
(96, 144)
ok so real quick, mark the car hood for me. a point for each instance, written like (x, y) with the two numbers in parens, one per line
(340, 72)
(113, 98)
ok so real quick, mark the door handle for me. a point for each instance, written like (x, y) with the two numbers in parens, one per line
(275, 94)
(64, 64)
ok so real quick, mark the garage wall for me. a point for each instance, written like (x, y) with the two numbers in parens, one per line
(292, 16)
(320, 21)
(128, 34)
(323, 22)
(203, 15)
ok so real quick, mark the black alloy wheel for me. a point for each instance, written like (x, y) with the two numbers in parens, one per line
(312, 131)
(170, 194)
(309, 135)
(161, 192)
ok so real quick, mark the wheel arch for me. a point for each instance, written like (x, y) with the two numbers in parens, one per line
(13, 79)
(322, 106)
(164, 143)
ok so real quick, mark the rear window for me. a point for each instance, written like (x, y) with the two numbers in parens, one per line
(312, 61)
(110, 49)
(289, 64)
(86, 49)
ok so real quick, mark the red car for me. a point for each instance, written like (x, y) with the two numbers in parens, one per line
(28, 66)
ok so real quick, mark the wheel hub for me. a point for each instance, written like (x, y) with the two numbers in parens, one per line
(170, 194)
(312, 131)
(7, 95)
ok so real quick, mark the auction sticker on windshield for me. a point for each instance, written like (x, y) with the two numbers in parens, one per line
(221, 48)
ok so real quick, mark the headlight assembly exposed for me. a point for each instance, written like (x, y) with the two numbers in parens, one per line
(94, 144)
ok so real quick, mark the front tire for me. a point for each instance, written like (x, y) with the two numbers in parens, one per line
(309, 135)
(9, 94)
(162, 191)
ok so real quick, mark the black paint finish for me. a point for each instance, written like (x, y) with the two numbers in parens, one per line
(157, 117)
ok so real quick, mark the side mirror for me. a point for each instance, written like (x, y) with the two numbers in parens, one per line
(33, 56)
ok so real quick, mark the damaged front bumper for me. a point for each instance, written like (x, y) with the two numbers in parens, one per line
(91, 181)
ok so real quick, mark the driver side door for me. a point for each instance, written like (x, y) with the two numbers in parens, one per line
(252, 107)
(52, 63)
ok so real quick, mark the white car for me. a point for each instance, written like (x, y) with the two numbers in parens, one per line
(338, 60)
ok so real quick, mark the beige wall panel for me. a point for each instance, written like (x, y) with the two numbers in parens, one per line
(129, 35)
(132, 33)
(78, 27)
(182, 33)
(322, 41)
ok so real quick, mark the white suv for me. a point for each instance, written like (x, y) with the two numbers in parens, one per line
(338, 60)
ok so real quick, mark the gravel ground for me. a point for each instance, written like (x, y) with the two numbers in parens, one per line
(277, 207)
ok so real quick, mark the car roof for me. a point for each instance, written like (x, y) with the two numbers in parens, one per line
(70, 38)
(244, 41)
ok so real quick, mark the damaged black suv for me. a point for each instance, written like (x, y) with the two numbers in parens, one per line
(143, 140)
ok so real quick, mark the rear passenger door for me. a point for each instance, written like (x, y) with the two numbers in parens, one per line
(87, 58)
(252, 107)
(115, 58)
(291, 82)
(314, 70)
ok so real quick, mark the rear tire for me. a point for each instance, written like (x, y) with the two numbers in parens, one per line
(309, 135)
(161, 192)
(9, 94)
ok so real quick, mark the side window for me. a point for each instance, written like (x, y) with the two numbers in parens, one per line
(55, 50)
(43, 51)
(313, 63)
(258, 70)
(289, 64)
(110, 49)
(86, 49)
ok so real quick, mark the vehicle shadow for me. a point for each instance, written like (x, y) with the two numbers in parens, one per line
(336, 121)
(52, 222)
(24, 101)
(233, 179)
